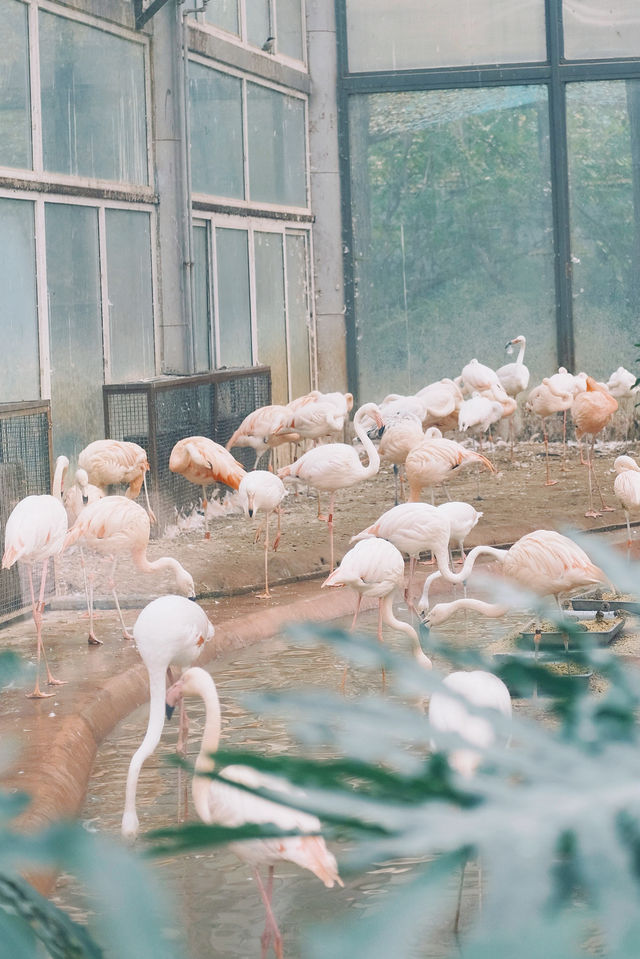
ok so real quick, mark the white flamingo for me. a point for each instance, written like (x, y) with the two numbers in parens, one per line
(220, 801)
(262, 490)
(170, 631)
(626, 488)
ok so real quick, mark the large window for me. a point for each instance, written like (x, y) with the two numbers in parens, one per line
(407, 34)
(255, 21)
(273, 148)
(260, 311)
(453, 231)
(93, 102)
(15, 118)
(596, 29)
(20, 379)
(604, 177)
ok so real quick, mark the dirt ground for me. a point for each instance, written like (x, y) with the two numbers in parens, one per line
(514, 500)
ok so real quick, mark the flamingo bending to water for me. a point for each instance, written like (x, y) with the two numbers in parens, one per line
(170, 631)
(114, 526)
(203, 462)
(221, 801)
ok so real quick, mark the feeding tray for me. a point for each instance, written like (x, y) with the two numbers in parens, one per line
(602, 627)
(524, 687)
(596, 600)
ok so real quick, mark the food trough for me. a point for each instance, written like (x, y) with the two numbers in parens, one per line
(610, 626)
(595, 600)
(524, 687)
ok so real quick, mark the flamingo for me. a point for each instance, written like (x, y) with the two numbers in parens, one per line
(116, 525)
(476, 378)
(170, 631)
(544, 402)
(462, 518)
(479, 413)
(449, 715)
(401, 434)
(591, 412)
(544, 562)
(36, 530)
(220, 801)
(336, 466)
(621, 384)
(626, 487)
(263, 490)
(314, 421)
(433, 461)
(259, 431)
(115, 462)
(442, 400)
(375, 567)
(561, 383)
(75, 498)
(202, 461)
(514, 376)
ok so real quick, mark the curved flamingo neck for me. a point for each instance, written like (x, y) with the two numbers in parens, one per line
(210, 740)
(367, 444)
(390, 619)
(57, 487)
(491, 610)
(442, 559)
(145, 749)
(151, 566)
(520, 356)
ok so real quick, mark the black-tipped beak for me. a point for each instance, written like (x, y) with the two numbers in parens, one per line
(250, 511)
(169, 710)
(85, 499)
(380, 432)
(192, 598)
(423, 628)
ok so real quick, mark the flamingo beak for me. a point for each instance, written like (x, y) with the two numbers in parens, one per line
(173, 697)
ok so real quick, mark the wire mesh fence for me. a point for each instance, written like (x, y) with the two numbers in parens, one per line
(25, 470)
(159, 412)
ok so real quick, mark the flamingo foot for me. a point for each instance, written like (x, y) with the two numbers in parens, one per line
(94, 641)
(276, 542)
(265, 595)
(38, 694)
(592, 513)
(551, 483)
(607, 509)
(51, 681)
(126, 634)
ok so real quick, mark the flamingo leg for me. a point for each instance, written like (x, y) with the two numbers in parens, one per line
(407, 592)
(380, 639)
(93, 639)
(549, 481)
(626, 513)
(112, 584)
(395, 476)
(207, 534)
(152, 515)
(271, 931)
(266, 593)
(330, 525)
(456, 921)
(564, 442)
(37, 619)
(276, 541)
(603, 508)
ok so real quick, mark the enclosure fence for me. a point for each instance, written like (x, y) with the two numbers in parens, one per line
(157, 413)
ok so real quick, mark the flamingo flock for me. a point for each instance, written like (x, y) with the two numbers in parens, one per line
(401, 431)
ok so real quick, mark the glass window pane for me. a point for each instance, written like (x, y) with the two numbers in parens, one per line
(272, 337)
(15, 119)
(130, 295)
(201, 312)
(216, 132)
(93, 102)
(234, 305)
(75, 326)
(453, 232)
(223, 14)
(298, 313)
(386, 35)
(258, 21)
(596, 29)
(603, 125)
(277, 170)
(20, 378)
(289, 30)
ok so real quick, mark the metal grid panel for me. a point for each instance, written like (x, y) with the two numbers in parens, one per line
(25, 470)
(158, 413)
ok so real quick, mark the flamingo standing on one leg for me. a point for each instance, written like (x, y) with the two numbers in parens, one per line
(591, 412)
(221, 801)
(203, 462)
(544, 402)
(336, 466)
(514, 377)
(170, 631)
(262, 490)
(117, 462)
(626, 487)
(35, 530)
(116, 525)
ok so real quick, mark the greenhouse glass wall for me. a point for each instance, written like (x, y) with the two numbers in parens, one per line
(491, 160)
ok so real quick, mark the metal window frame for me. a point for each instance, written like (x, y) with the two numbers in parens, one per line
(555, 73)
(241, 38)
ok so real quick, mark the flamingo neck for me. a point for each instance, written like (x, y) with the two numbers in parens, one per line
(367, 444)
(390, 619)
(151, 566)
(442, 559)
(491, 610)
(57, 487)
(145, 749)
(210, 740)
(520, 356)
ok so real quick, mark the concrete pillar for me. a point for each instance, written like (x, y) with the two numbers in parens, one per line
(325, 196)
(167, 86)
